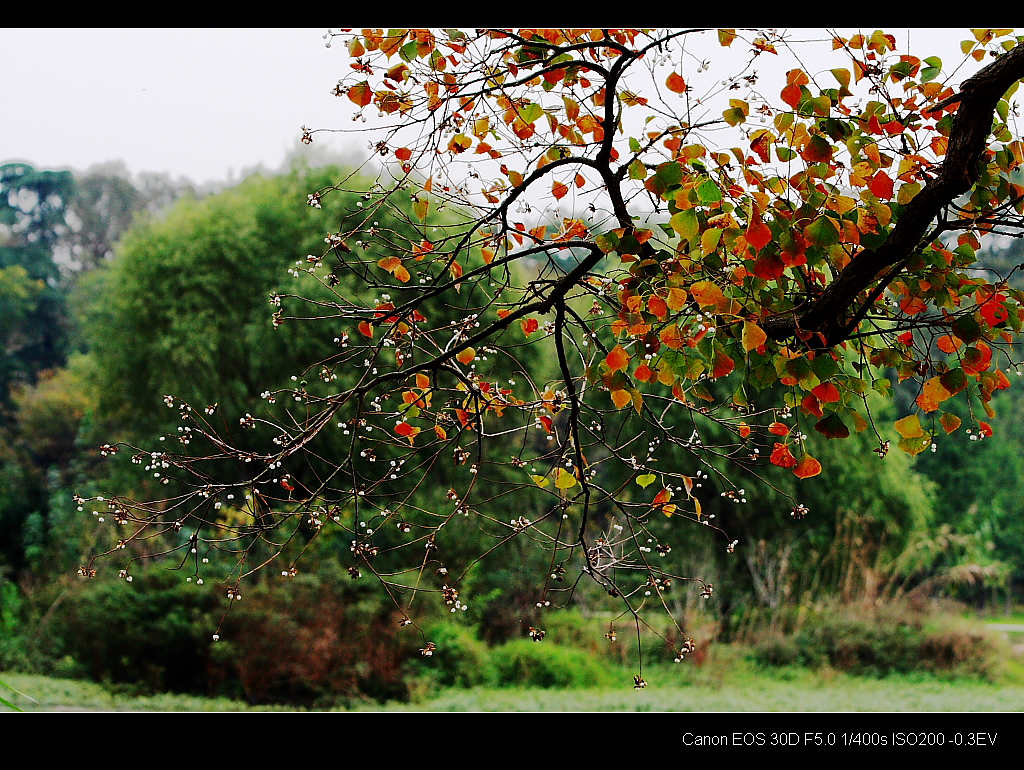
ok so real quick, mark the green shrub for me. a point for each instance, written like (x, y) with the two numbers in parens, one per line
(528, 664)
(776, 650)
(461, 660)
(880, 642)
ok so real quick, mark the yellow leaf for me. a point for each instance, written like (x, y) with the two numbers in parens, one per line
(753, 336)
(564, 479)
(909, 427)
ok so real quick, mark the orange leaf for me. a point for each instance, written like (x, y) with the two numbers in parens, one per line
(807, 467)
(948, 343)
(707, 294)
(618, 359)
(466, 356)
(621, 397)
(559, 190)
(360, 94)
(782, 457)
(932, 394)
(676, 83)
(676, 298)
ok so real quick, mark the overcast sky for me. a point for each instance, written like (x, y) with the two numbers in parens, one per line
(202, 103)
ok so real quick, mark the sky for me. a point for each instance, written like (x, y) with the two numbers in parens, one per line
(203, 103)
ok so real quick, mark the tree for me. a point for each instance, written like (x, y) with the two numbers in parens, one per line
(33, 205)
(710, 277)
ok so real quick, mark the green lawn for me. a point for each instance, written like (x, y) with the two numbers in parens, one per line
(781, 690)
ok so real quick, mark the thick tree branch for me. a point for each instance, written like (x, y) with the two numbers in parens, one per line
(828, 314)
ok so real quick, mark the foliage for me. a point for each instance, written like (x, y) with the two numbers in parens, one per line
(32, 312)
(708, 280)
(882, 641)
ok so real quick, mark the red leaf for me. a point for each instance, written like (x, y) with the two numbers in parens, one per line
(811, 406)
(782, 457)
(827, 393)
(881, 185)
(723, 365)
(758, 234)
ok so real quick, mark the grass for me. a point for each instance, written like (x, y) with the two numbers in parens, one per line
(733, 685)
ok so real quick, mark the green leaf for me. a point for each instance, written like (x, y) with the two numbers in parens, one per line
(531, 112)
(646, 480)
(686, 224)
(966, 328)
(708, 192)
(637, 170)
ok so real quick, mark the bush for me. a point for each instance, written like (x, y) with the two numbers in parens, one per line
(777, 650)
(525, 663)
(461, 660)
(880, 642)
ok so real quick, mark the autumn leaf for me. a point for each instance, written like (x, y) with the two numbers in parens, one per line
(407, 431)
(758, 234)
(465, 357)
(707, 294)
(723, 365)
(832, 427)
(781, 456)
(559, 190)
(826, 393)
(909, 426)
(807, 467)
(360, 93)
(881, 185)
(753, 336)
(621, 397)
(932, 394)
(617, 360)
(565, 480)
(675, 83)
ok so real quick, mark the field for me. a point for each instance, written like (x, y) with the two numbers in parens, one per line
(745, 689)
